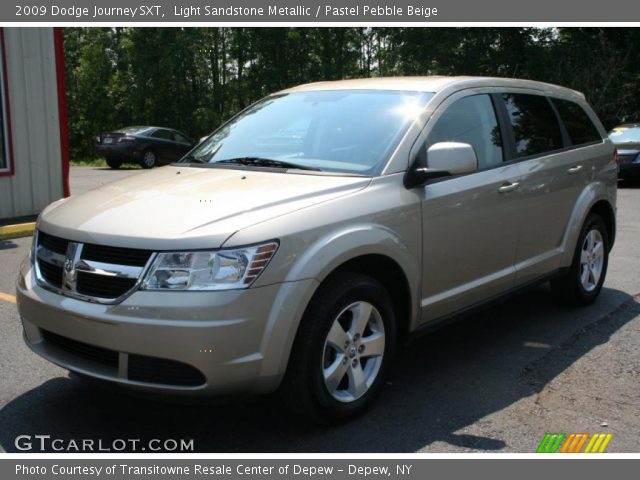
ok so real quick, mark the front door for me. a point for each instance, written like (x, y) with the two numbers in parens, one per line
(470, 222)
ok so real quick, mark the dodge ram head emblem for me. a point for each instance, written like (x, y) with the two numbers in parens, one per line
(69, 271)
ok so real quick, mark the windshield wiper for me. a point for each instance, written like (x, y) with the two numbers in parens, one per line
(265, 162)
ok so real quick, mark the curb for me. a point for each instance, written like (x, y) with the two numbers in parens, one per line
(17, 231)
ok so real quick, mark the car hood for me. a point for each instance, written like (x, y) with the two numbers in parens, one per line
(185, 207)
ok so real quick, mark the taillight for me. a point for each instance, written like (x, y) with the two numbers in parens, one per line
(126, 139)
(616, 157)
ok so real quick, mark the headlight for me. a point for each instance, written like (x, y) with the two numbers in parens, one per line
(213, 270)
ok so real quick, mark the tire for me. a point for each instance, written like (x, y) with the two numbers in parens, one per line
(582, 283)
(329, 383)
(149, 159)
(114, 163)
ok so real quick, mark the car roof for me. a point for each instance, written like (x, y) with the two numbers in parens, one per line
(432, 84)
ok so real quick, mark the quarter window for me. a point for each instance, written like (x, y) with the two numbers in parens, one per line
(535, 125)
(578, 124)
(471, 120)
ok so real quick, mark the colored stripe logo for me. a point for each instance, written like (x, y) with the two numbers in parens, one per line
(559, 442)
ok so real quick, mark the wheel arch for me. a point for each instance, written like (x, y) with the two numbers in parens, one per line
(391, 276)
(365, 249)
(594, 199)
(605, 211)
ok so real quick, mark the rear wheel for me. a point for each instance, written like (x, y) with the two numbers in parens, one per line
(342, 350)
(148, 159)
(583, 282)
(114, 163)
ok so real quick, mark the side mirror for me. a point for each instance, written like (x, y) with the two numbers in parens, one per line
(453, 157)
(444, 159)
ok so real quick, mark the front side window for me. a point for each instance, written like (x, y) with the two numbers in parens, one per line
(163, 135)
(471, 120)
(346, 131)
(579, 126)
(179, 138)
(535, 126)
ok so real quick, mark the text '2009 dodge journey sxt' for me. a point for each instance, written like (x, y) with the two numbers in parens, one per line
(299, 244)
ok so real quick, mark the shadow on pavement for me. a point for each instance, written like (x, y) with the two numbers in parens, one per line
(7, 244)
(441, 383)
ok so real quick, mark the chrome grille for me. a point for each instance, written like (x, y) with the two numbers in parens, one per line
(87, 271)
(103, 287)
(124, 256)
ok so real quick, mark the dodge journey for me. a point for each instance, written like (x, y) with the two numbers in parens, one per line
(299, 245)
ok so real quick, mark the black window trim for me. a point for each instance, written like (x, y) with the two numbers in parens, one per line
(509, 151)
(564, 133)
(506, 130)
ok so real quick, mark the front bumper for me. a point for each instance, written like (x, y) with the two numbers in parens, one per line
(629, 163)
(629, 170)
(238, 341)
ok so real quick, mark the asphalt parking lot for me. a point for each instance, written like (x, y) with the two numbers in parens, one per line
(495, 382)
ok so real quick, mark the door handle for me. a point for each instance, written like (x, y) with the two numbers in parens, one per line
(509, 187)
(575, 169)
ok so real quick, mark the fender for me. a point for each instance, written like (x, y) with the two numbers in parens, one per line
(592, 194)
(309, 270)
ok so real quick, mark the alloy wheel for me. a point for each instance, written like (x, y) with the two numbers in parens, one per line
(591, 260)
(353, 351)
(149, 159)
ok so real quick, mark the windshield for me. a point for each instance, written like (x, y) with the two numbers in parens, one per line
(349, 131)
(625, 134)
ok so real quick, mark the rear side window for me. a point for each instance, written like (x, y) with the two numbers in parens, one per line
(471, 120)
(578, 124)
(535, 125)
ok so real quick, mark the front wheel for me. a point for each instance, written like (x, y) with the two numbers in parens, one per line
(342, 350)
(583, 282)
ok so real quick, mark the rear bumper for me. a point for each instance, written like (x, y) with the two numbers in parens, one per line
(184, 343)
(122, 152)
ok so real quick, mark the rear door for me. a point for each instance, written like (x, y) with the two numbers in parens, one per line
(470, 222)
(554, 174)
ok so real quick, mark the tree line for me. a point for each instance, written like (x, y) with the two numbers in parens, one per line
(192, 79)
